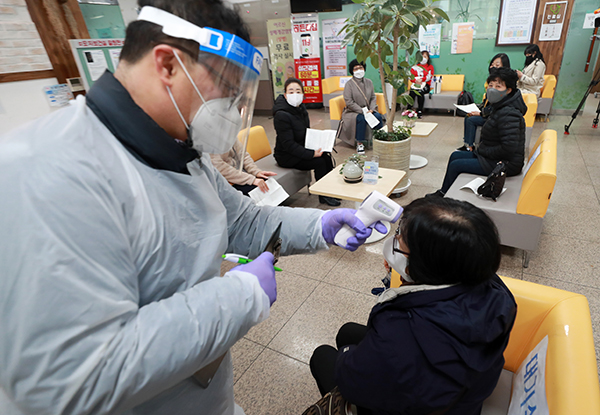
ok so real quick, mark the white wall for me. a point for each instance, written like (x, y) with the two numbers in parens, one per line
(128, 10)
(23, 101)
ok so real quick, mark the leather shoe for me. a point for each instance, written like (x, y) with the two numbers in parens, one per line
(437, 193)
(331, 201)
(463, 148)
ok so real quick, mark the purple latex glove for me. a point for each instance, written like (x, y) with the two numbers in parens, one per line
(262, 268)
(333, 220)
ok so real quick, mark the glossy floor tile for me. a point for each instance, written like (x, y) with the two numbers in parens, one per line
(319, 293)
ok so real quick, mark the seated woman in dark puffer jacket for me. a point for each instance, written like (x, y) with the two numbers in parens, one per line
(502, 135)
(436, 343)
(290, 119)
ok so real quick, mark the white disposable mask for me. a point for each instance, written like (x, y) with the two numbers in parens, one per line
(294, 99)
(359, 73)
(396, 260)
(424, 61)
(216, 124)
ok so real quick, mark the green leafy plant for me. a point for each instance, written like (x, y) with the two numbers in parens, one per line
(381, 29)
(464, 14)
(399, 133)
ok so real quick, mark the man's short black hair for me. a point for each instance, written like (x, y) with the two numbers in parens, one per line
(142, 36)
(292, 81)
(449, 242)
(354, 63)
(507, 75)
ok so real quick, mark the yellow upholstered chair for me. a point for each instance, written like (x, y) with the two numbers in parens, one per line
(571, 370)
(336, 107)
(547, 95)
(532, 105)
(538, 183)
(381, 103)
(258, 144)
(331, 88)
(452, 82)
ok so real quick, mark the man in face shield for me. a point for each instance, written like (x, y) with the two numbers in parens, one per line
(114, 223)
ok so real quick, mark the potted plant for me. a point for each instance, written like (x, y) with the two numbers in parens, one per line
(409, 118)
(352, 168)
(393, 149)
(383, 28)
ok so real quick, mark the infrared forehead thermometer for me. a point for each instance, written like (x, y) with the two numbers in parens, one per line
(375, 207)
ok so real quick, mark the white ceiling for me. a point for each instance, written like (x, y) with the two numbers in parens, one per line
(257, 12)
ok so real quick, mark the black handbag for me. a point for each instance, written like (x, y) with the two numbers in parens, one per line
(493, 185)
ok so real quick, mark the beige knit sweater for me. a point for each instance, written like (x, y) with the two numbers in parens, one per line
(225, 163)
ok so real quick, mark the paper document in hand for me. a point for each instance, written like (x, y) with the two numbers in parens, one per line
(475, 183)
(320, 139)
(468, 108)
(370, 118)
(273, 197)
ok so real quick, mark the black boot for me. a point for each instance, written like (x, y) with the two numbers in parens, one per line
(331, 201)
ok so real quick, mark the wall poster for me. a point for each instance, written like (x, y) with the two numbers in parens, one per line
(430, 39)
(307, 60)
(279, 33)
(334, 53)
(553, 20)
(516, 22)
(462, 37)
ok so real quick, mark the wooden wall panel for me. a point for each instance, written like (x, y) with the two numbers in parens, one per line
(57, 21)
(552, 50)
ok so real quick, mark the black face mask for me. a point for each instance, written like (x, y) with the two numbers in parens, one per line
(529, 60)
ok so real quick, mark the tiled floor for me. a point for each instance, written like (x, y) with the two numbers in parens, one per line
(318, 293)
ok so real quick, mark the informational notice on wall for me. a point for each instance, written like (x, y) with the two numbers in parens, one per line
(515, 26)
(334, 53)
(462, 37)
(305, 37)
(58, 95)
(279, 32)
(94, 56)
(430, 39)
(553, 20)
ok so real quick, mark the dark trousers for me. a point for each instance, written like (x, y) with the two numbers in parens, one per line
(321, 165)
(461, 162)
(420, 99)
(244, 188)
(471, 124)
(361, 125)
(322, 362)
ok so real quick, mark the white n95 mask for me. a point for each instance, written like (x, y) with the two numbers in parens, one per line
(359, 73)
(294, 99)
(396, 260)
(424, 61)
(216, 124)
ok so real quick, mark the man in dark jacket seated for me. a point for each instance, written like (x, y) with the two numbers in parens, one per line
(502, 135)
(436, 343)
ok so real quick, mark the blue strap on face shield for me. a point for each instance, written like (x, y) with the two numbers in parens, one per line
(213, 41)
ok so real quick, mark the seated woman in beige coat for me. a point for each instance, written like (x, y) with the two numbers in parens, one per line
(531, 79)
(358, 94)
(246, 180)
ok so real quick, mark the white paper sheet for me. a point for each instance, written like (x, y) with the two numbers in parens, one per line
(370, 118)
(475, 183)
(273, 197)
(320, 139)
(468, 108)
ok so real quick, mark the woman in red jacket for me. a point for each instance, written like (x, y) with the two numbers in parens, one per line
(423, 78)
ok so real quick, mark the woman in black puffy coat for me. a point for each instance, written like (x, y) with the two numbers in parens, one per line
(502, 135)
(290, 119)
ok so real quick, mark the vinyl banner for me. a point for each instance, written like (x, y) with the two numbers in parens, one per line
(279, 33)
(307, 60)
(334, 53)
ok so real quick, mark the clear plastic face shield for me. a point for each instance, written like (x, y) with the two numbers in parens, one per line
(233, 66)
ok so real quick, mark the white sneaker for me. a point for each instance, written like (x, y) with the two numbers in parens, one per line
(360, 148)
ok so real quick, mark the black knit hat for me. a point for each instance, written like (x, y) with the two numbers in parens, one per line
(354, 63)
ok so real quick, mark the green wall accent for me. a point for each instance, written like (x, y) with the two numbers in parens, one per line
(572, 80)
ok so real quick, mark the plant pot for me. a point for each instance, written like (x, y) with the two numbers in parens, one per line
(409, 123)
(394, 155)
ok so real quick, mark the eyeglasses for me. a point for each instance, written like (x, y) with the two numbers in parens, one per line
(226, 88)
(396, 244)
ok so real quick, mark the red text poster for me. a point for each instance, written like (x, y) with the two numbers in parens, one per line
(309, 72)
